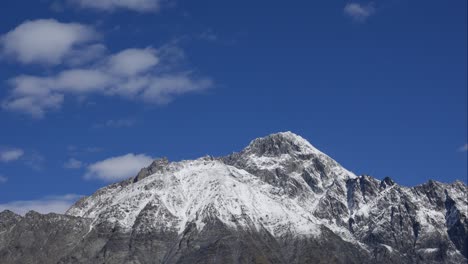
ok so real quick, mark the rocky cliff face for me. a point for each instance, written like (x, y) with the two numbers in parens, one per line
(280, 200)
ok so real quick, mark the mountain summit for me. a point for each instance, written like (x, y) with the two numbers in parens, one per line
(279, 144)
(279, 200)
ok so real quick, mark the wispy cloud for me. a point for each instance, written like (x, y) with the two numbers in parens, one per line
(463, 148)
(111, 5)
(359, 12)
(48, 204)
(73, 150)
(73, 163)
(117, 123)
(208, 35)
(144, 74)
(92, 149)
(3, 179)
(32, 159)
(35, 160)
(118, 168)
(8, 155)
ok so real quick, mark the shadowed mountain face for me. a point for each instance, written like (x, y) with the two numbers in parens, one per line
(280, 200)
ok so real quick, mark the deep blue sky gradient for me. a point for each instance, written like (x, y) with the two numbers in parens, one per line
(387, 97)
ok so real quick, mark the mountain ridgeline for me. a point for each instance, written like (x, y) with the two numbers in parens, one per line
(280, 200)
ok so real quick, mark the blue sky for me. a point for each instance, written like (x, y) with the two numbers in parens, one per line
(93, 90)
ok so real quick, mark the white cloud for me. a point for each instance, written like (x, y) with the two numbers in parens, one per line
(162, 89)
(111, 5)
(86, 54)
(463, 148)
(359, 12)
(132, 61)
(73, 163)
(46, 41)
(3, 179)
(132, 73)
(147, 74)
(49, 204)
(34, 105)
(118, 168)
(7, 155)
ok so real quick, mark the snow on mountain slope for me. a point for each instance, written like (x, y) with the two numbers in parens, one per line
(283, 185)
(194, 191)
(301, 171)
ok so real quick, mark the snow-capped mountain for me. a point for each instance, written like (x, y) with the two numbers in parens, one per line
(280, 200)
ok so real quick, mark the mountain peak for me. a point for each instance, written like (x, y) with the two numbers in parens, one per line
(156, 165)
(277, 193)
(281, 143)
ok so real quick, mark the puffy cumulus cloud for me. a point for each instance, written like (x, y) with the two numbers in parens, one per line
(118, 168)
(359, 12)
(34, 105)
(147, 74)
(138, 74)
(132, 61)
(111, 5)
(73, 163)
(47, 41)
(86, 54)
(138, 79)
(49, 204)
(7, 155)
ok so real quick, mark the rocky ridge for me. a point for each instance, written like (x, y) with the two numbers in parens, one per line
(280, 200)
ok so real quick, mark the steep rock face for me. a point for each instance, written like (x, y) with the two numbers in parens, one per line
(301, 171)
(410, 221)
(8, 221)
(37, 238)
(280, 200)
